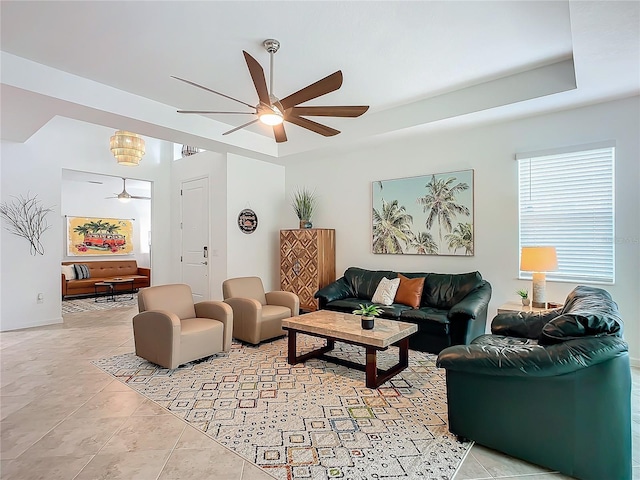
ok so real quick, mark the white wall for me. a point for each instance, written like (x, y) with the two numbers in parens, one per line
(235, 183)
(259, 186)
(343, 183)
(213, 166)
(36, 166)
(84, 199)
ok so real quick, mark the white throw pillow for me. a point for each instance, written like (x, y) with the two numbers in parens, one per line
(386, 291)
(69, 272)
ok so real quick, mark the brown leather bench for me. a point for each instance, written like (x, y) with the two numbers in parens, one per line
(105, 270)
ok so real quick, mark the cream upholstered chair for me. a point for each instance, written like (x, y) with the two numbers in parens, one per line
(258, 315)
(170, 330)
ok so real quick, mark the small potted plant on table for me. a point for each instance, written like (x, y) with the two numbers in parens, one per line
(524, 294)
(367, 314)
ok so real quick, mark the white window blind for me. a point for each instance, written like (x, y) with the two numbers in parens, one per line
(567, 201)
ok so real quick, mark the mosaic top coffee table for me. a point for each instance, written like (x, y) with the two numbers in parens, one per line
(346, 328)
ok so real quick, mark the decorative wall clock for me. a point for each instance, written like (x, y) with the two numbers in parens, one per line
(247, 221)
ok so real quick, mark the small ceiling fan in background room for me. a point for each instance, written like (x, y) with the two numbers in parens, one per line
(125, 196)
(274, 111)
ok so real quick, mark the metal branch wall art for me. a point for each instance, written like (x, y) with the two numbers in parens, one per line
(26, 217)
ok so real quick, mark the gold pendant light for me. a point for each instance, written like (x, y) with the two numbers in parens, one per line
(127, 147)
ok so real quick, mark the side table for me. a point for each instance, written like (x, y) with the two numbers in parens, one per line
(518, 307)
(121, 287)
(104, 292)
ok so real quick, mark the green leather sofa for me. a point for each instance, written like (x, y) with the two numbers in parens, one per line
(453, 307)
(553, 389)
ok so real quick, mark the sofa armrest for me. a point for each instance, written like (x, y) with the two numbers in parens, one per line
(531, 360)
(156, 334)
(334, 291)
(284, 299)
(144, 271)
(64, 285)
(522, 324)
(218, 311)
(474, 305)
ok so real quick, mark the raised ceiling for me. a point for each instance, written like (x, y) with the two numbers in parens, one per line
(415, 63)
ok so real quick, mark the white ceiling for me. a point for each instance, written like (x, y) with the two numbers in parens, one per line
(414, 63)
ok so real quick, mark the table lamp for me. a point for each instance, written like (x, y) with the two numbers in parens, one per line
(539, 260)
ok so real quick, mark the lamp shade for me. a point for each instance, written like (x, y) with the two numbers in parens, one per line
(127, 147)
(538, 259)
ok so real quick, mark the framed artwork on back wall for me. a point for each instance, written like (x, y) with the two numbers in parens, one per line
(425, 215)
(99, 236)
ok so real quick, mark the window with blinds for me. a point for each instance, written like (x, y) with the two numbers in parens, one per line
(567, 201)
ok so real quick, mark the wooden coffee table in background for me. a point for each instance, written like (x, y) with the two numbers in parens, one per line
(108, 289)
(346, 328)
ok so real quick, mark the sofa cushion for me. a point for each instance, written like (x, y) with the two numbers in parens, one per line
(69, 272)
(348, 305)
(409, 291)
(364, 282)
(445, 290)
(113, 268)
(393, 311)
(425, 314)
(570, 326)
(429, 320)
(386, 291)
(588, 311)
(83, 283)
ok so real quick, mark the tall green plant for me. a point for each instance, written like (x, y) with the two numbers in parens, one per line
(304, 203)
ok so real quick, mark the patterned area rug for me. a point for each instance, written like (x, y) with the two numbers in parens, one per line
(89, 304)
(314, 420)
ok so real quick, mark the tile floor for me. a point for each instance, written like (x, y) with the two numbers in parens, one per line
(62, 418)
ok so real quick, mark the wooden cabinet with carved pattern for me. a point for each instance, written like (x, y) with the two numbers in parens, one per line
(307, 263)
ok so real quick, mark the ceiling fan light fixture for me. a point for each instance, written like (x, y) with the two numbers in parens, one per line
(271, 118)
(270, 115)
(127, 147)
(124, 199)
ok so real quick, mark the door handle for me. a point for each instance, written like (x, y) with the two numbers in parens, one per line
(204, 263)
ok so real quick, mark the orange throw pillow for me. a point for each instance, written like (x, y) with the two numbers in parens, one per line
(410, 291)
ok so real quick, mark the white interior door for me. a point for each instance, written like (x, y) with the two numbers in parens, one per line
(195, 237)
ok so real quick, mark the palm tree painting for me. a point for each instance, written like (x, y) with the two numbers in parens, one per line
(461, 237)
(424, 215)
(391, 228)
(99, 236)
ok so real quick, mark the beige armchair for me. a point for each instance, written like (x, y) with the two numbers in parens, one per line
(258, 315)
(170, 330)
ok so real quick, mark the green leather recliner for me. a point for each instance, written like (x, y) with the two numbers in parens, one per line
(553, 389)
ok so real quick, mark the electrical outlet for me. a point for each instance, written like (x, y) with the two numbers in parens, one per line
(40, 298)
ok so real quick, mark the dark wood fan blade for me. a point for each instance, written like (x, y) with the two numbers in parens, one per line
(257, 75)
(209, 112)
(311, 125)
(279, 133)
(328, 84)
(212, 91)
(241, 126)
(335, 111)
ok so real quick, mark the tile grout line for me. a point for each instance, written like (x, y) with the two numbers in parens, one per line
(164, 465)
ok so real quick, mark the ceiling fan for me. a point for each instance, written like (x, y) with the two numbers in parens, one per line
(125, 196)
(274, 111)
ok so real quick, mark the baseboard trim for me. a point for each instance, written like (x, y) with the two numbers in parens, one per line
(41, 323)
